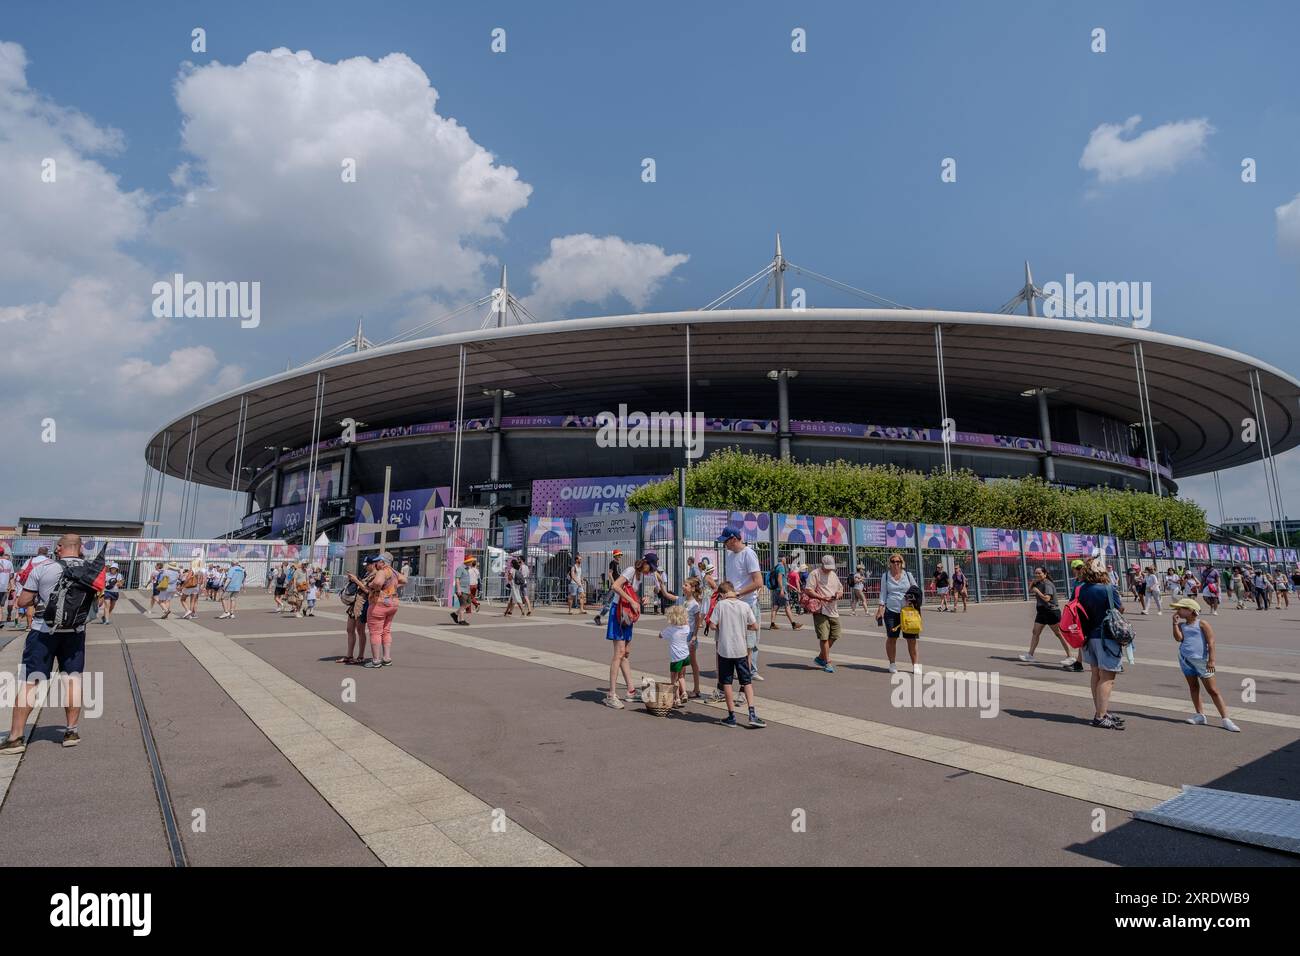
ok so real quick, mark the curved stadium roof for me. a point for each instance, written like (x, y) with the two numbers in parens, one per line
(1199, 392)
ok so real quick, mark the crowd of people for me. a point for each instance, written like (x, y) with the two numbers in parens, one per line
(55, 596)
(1243, 584)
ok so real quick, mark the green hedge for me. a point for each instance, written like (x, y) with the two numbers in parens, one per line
(742, 481)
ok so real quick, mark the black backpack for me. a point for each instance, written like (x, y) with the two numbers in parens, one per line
(73, 596)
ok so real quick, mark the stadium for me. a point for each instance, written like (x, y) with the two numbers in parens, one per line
(1080, 403)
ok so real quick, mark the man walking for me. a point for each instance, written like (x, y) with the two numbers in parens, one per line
(57, 635)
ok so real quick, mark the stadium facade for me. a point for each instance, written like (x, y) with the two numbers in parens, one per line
(1080, 403)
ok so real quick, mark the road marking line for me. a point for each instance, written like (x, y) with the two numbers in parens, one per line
(1052, 776)
(404, 810)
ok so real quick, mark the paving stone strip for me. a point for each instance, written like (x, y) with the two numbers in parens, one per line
(1093, 786)
(404, 810)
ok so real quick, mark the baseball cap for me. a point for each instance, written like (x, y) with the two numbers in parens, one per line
(1076, 563)
(652, 559)
(728, 533)
(828, 562)
(1190, 603)
(370, 559)
(617, 553)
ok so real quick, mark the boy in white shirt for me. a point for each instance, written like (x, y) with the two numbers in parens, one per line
(732, 618)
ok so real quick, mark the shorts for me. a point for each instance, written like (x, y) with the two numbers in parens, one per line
(108, 596)
(1047, 615)
(1103, 654)
(893, 623)
(1195, 666)
(232, 592)
(190, 592)
(942, 591)
(677, 667)
(279, 592)
(573, 589)
(737, 667)
(614, 629)
(827, 627)
(44, 647)
(779, 599)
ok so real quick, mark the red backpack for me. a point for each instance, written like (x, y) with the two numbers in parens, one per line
(1072, 617)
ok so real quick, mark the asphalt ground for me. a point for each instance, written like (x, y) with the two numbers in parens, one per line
(623, 787)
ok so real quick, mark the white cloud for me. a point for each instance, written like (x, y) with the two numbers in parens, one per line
(264, 197)
(1288, 226)
(56, 231)
(1160, 150)
(74, 314)
(595, 269)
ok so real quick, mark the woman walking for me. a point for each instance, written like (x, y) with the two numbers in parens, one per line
(859, 597)
(1047, 613)
(941, 587)
(381, 588)
(959, 588)
(627, 597)
(894, 585)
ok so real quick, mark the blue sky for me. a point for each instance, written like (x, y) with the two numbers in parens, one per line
(838, 147)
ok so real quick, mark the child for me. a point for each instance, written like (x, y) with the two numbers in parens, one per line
(313, 592)
(1196, 657)
(694, 595)
(678, 635)
(733, 619)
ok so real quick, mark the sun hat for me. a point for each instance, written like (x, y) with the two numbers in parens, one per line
(1190, 604)
(828, 562)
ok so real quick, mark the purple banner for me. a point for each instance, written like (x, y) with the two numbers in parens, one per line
(570, 497)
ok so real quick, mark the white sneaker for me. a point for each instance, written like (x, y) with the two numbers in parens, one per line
(615, 703)
(223, 616)
(1068, 662)
(1229, 725)
(759, 677)
(893, 668)
(1197, 720)
(1028, 658)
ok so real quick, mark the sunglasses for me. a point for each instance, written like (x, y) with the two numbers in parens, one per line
(895, 561)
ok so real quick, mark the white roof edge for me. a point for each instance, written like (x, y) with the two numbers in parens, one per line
(724, 316)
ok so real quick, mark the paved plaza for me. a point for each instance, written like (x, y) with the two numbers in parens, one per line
(489, 744)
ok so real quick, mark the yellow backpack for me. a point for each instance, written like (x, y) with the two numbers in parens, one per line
(911, 620)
